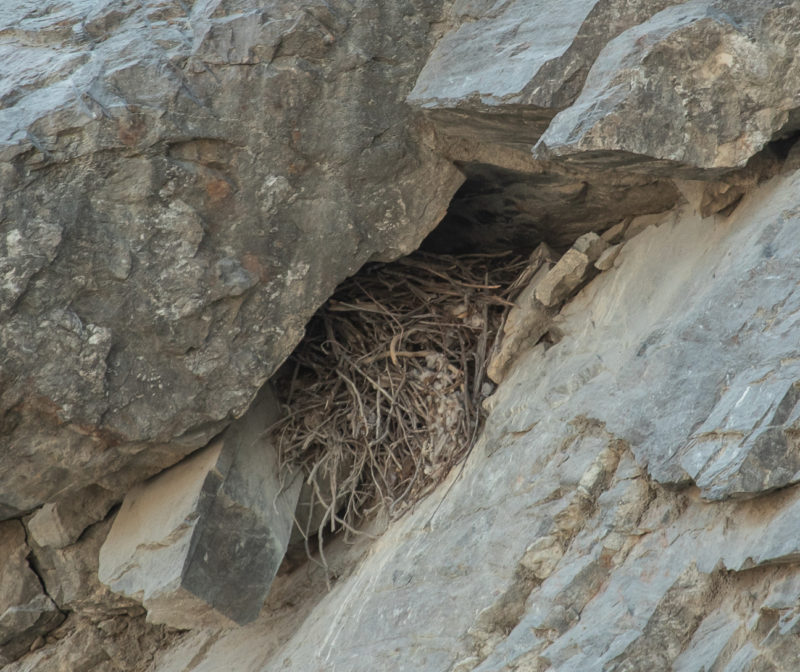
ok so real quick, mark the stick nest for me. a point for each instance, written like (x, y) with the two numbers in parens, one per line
(383, 395)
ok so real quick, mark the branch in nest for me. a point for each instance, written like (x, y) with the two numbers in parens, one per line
(387, 383)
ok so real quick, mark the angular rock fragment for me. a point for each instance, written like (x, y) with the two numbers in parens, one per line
(199, 544)
(749, 443)
(528, 321)
(571, 270)
(615, 234)
(607, 259)
(26, 612)
(60, 523)
(591, 245)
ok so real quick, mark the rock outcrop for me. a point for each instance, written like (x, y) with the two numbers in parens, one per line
(185, 182)
(227, 510)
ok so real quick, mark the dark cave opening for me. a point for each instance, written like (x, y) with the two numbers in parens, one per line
(498, 209)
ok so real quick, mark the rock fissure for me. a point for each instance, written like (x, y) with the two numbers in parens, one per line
(33, 565)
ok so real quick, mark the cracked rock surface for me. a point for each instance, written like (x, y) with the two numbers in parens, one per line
(575, 540)
(184, 182)
(175, 208)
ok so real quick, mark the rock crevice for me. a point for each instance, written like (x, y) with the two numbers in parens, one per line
(184, 184)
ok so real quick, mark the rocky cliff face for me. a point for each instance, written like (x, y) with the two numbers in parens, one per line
(185, 182)
(183, 186)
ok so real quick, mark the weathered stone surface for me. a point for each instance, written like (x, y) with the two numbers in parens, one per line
(102, 630)
(69, 576)
(557, 550)
(114, 643)
(633, 502)
(527, 321)
(606, 260)
(506, 68)
(59, 524)
(615, 234)
(748, 444)
(175, 207)
(200, 544)
(571, 271)
(702, 84)
(491, 87)
(26, 612)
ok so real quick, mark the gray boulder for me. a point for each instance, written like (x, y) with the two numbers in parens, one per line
(705, 84)
(183, 184)
(199, 544)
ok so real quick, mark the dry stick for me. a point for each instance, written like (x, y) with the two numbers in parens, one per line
(403, 299)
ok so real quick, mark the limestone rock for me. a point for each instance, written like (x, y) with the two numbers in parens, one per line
(200, 544)
(527, 321)
(633, 500)
(114, 643)
(616, 233)
(491, 87)
(591, 245)
(26, 612)
(748, 444)
(70, 578)
(174, 209)
(703, 84)
(608, 257)
(505, 69)
(59, 524)
(571, 270)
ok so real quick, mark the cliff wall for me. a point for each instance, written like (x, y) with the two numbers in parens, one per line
(184, 183)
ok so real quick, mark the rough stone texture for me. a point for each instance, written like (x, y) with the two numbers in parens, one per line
(200, 543)
(571, 270)
(557, 550)
(60, 523)
(82, 645)
(70, 577)
(527, 321)
(749, 442)
(102, 630)
(505, 68)
(491, 88)
(705, 83)
(26, 611)
(175, 206)
(633, 501)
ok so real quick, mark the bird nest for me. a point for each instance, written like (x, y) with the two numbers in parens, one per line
(383, 395)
